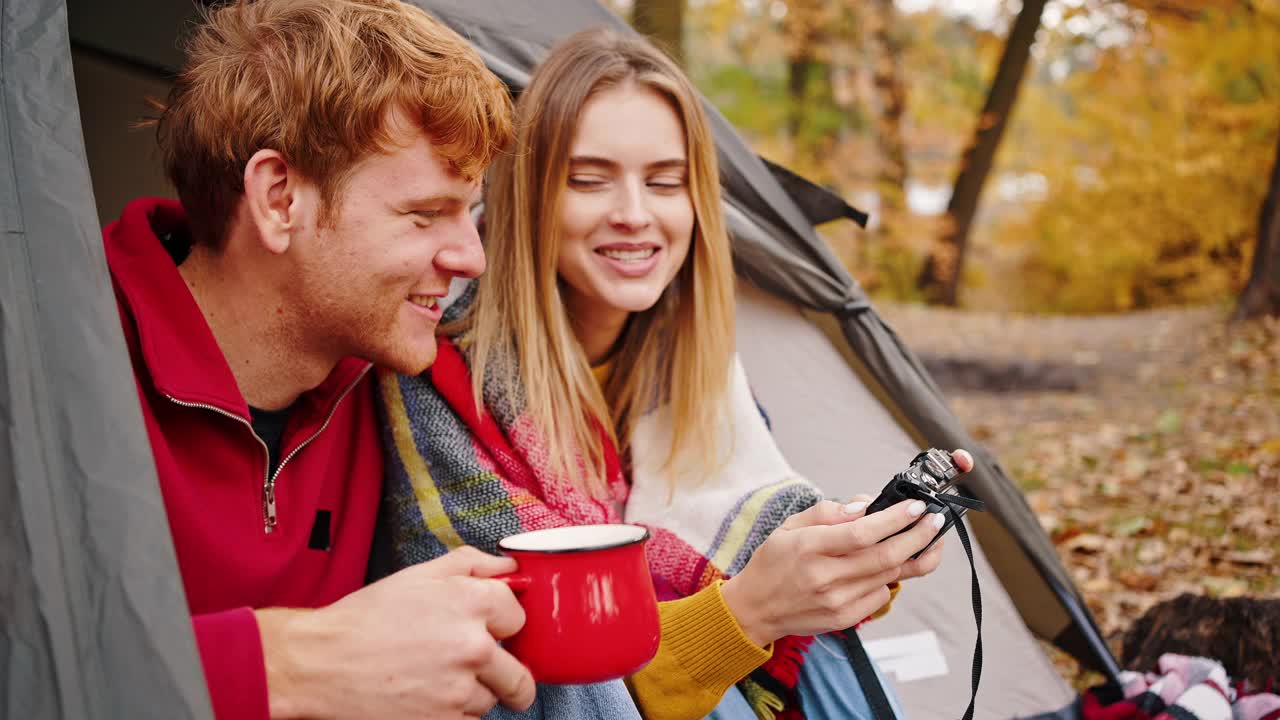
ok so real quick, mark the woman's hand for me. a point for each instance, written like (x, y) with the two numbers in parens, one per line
(827, 568)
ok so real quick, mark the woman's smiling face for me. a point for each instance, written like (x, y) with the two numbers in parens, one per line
(626, 217)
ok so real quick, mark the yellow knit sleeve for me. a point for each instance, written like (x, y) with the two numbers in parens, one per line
(894, 587)
(703, 652)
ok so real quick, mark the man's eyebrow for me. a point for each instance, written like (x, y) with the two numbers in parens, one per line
(437, 199)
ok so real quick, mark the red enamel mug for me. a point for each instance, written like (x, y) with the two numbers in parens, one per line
(590, 610)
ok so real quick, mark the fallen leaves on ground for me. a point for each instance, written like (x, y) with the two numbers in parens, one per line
(1158, 477)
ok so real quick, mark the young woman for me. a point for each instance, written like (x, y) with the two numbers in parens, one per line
(590, 376)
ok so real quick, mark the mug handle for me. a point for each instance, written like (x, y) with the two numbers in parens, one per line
(516, 581)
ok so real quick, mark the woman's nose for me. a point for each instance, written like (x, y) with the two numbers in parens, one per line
(631, 209)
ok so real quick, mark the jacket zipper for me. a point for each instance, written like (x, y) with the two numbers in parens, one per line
(269, 510)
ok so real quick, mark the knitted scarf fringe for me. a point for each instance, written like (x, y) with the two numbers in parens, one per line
(764, 704)
(788, 659)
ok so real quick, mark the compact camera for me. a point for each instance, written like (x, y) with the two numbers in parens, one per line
(930, 477)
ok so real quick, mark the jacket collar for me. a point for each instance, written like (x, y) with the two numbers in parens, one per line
(176, 344)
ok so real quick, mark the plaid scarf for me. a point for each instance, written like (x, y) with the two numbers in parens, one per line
(456, 477)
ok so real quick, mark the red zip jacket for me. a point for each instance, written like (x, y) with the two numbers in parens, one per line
(241, 536)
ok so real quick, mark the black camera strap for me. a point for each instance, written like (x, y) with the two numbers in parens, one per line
(872, 690)
(861, 663)
(977, 613)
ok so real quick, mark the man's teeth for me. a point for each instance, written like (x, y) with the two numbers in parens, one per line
(426, 301)
(628, 255)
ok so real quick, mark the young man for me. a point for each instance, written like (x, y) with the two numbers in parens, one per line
(326, 153)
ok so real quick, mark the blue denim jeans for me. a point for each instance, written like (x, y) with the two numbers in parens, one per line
(601, 701)
(828, 688)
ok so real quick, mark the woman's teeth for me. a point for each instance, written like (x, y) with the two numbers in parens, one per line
(426, 301)
(628, 255)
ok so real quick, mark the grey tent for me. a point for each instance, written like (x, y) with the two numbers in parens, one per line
(92, 614)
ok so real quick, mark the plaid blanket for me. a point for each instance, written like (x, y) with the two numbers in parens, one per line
(455, 477)
(1186, 688)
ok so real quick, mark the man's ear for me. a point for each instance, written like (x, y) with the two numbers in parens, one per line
(272, 199)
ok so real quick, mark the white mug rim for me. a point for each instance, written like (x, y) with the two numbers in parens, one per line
(574, 538)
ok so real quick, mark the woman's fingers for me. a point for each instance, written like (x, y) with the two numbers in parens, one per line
(916, 539)
(828, 512)
(863, 532)
(963, 460)
(849, 603)
(924, 564)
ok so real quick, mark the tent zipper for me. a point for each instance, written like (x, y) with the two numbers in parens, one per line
(269, 510)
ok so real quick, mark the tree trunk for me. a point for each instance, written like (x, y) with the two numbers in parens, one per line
(804, 28)
(798, 64)
(892, 101)
(1262, 295)
(940, 279)
(662, 21)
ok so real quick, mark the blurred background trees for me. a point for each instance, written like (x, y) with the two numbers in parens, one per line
(940, 278)
(1124, 165)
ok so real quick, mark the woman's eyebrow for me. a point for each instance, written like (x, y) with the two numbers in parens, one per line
(590, 160)
(671, 164)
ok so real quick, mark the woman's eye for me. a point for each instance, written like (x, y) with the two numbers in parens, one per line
(585, 181)
(667, 183)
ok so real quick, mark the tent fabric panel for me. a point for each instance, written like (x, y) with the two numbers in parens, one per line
(1042, 611)
(771, 265)
(500, 25)
(145, 32)
(26, 641)
(815, 405)
(818, 204)
(96, 623)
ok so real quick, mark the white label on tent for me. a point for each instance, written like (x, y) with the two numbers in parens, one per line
(909, 657)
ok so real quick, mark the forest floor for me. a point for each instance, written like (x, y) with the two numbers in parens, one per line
(1148, 444)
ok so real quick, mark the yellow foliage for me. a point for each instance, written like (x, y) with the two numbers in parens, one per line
(1157, 161)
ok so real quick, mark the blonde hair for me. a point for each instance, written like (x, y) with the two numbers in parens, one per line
(316, 80)
(678, 352)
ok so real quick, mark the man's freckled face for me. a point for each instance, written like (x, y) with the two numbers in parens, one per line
(371, 275)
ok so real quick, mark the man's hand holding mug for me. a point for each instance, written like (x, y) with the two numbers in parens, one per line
(423, 641)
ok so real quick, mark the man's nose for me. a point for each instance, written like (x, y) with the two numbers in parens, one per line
(463, 256)
(631, 207)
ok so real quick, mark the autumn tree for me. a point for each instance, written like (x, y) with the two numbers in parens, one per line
(891, 94)
(1156, 153)
(1262, 295)
(940, 278)
(806, 28)
(663, 22)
